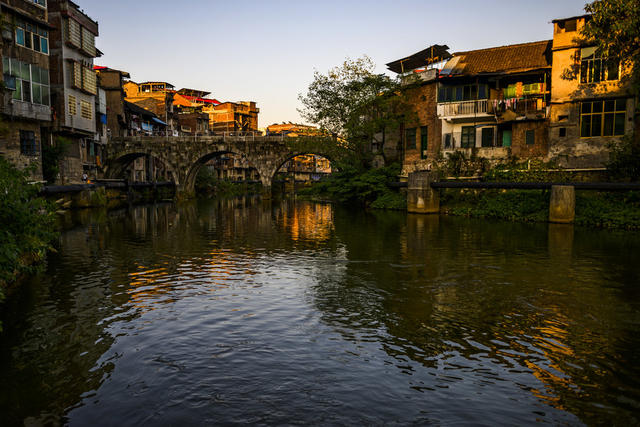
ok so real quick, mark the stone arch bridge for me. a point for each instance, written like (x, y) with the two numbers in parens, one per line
(184, 156)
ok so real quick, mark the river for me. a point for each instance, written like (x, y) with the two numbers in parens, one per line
(290, 312)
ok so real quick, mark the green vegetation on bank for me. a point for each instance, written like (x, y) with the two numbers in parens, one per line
(595, 209)
(28, 225)
(208, 183)
(369, 188)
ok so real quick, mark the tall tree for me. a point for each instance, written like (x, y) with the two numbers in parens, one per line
(354, 104)
(615, 28)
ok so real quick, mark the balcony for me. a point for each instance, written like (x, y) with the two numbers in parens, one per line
(463, 108)
(27, 110)
(530, 107)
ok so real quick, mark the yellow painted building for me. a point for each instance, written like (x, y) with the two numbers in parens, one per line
(591, 105)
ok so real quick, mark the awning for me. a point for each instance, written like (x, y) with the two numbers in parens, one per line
(160, 122)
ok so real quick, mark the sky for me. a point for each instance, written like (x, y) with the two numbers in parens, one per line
(267, 50)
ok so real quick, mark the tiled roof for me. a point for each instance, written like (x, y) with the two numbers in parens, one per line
(504, 59)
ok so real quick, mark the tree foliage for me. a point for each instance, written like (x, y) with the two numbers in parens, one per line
(615, 28)
(52, 155)
(27, 224)
(353, 103)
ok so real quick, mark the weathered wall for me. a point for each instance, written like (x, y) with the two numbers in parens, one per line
(519, 146)
(423, 99)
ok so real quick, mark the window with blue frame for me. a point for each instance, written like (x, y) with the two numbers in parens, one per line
(32, 36)
(462, 93)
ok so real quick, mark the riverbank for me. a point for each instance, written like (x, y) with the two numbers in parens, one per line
(616, 210)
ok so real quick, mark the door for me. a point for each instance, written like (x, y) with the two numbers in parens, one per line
(506, 138)
(424, 141)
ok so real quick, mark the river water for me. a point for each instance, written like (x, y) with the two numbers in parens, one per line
(285, 312)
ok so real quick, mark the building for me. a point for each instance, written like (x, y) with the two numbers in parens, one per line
(495, 101)
(74, 88)
(590, 105)
(156, 97)
(25, 99)
(552, 100)
(111, 82)
(419, 139)
(293, 130)
(191, 105)
(306, 167)
(233, 117)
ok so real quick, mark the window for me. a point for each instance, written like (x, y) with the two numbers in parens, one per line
(487, 137)
(42, 3)
(76, 75)
(530, 137)
(410, 138)
(562, 132)
(32, 36)
(28, 145)
(603, 118)
(30, 83)
(567, 26)
(85, 110)
(468, 137)
(83, 78)
(72, 104)
(73, 33)
(88, 42)
(462, 93)
(594, 68)
(89, 80)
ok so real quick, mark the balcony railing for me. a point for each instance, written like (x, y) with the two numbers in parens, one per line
(520, 106)
(463, 108)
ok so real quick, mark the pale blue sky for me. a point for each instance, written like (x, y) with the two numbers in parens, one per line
(266, 51)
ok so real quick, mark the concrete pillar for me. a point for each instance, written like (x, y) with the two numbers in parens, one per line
(421, 198)
(266, 192)
(562, 207)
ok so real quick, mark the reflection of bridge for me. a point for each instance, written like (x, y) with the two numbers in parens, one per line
(183, 157)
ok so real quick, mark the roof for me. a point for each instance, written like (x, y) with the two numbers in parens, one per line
(138, 110)
(202, 100)
(194, 92)
(571, 17)
(102, 68)
(157, 83)
(509, 59)
(426, 56)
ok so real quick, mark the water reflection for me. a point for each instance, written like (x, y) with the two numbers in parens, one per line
(244, 311)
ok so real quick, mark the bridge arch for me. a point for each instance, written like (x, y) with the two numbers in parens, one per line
(119, 163)
(202, 159)
(292, 155)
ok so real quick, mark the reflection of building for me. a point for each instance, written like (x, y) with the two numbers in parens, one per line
(307, 221)
(233, 116)
(25, 102)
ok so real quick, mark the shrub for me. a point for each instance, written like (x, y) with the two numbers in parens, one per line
(28, 227)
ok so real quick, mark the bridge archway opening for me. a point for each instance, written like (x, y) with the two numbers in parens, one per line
(229, 166)
(141, 167)
(304, 168)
